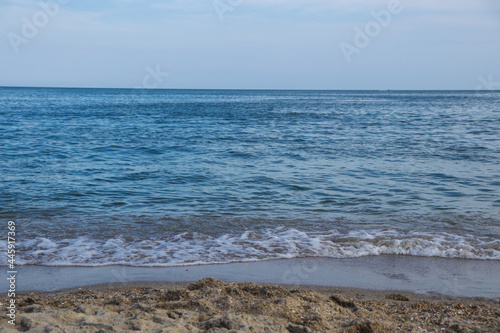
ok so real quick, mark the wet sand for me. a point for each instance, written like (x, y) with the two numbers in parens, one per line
(212, 305)
(424, 275)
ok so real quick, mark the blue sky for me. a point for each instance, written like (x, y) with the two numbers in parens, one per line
(251, 44)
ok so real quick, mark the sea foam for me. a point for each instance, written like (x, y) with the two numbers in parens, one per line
(191, 248)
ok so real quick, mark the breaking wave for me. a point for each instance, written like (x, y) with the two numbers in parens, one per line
(191, 248)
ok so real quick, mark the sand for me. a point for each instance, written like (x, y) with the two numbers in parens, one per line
(211, 305)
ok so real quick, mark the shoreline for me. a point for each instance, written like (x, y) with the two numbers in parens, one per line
(419, 275)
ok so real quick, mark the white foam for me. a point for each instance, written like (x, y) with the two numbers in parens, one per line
(280, 243)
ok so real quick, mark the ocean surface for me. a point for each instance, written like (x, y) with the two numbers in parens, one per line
(179, 177)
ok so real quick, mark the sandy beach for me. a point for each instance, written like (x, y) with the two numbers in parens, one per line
(211, 305)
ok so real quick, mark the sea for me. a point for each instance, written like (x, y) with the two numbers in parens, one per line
(96, 177)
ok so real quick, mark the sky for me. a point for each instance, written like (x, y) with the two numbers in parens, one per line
(251, 44)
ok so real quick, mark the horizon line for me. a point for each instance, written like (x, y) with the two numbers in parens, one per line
(249, 89)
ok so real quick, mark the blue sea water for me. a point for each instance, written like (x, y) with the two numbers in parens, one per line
(179, 177)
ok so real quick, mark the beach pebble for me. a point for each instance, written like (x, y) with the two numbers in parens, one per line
(397, 297)
(298, 329)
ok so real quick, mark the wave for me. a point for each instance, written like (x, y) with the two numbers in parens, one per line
(190, 248)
